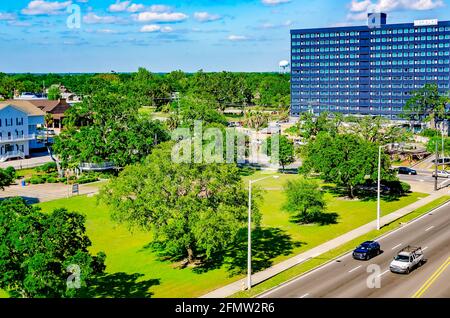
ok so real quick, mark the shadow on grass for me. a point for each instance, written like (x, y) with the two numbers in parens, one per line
(119, 285)
(364, 196)
(321, 219)
(267, 243)
(246, 171)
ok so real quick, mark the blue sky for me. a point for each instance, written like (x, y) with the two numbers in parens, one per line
(166, 35)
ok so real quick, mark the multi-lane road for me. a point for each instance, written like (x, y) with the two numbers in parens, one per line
(349, 278)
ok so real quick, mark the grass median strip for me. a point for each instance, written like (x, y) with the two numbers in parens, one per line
(326, 257)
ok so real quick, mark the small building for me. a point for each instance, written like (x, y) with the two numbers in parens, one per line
(29, 96)
(18, 129)
(55, 107)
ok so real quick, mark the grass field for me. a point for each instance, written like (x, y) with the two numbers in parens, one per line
(134, 271)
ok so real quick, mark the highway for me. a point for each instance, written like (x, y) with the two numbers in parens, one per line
(347, 278)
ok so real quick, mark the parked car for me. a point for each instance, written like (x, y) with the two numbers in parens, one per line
(442, 161)
(367, 250)
(406, 170)
(407, 259)
(441, 174)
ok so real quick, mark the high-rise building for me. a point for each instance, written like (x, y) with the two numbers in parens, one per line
(367, 70)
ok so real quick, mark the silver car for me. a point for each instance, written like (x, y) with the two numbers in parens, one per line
(441, 174)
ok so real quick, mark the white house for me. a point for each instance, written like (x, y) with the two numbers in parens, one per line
(18, 129)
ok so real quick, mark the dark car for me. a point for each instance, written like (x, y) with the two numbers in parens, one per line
(406, 170)
(367, 250)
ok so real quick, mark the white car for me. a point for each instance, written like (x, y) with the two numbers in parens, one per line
(407, 259)
(441, 174)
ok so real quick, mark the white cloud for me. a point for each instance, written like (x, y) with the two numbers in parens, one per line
(166, 29)
(92, 18)
(359, 6)
(160, 8)
(7, 16)
(268, 25)
(274, 2)
(236, 38)
(107, 31)
(391, 5)
(149, 16)
(206, 17)
(136, 8)
(119, 6)
(151, 28)
(40, 7)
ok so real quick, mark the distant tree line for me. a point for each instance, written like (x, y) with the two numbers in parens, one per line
(151, 89)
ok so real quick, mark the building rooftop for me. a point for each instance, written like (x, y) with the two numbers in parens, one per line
(24, 106)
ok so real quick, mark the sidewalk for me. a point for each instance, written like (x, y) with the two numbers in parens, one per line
(35, 193)
(259, 277)
(26, 163)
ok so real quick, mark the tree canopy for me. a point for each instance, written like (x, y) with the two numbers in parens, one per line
(192, 210)
(427, 103)
(345, 159)
(305, 200)
(39, 251)
(107, 128)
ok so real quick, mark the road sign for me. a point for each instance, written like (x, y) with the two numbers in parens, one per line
(75, 189)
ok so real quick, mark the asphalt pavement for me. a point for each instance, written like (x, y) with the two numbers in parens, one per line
(349, 278)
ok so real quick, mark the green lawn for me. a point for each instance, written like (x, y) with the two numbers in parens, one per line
(133, 271)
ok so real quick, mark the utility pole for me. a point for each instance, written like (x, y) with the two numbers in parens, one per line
(436, 168)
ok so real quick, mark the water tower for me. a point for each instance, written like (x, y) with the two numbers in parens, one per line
(284, 66)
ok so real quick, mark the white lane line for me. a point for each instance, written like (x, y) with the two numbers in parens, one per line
(396, 246)
(350, 271)
(431, 227)
(383, 273)
(305, 295)
(423, 249)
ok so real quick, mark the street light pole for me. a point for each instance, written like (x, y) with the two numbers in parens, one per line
(249, 234)
(379, 188)
(249, 237)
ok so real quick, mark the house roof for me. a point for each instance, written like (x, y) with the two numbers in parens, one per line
(46, 105)
(24, 106)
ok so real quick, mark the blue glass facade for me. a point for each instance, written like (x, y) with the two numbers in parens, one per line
(367, 71)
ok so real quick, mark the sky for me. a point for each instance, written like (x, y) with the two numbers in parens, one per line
(61, 36)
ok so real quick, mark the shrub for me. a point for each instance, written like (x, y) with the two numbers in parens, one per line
(87, 179)
(52, 180)
(48, 167)
(36, 180)
(10, 171)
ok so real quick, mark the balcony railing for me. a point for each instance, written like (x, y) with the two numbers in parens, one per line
(97, 166)
(17, 138)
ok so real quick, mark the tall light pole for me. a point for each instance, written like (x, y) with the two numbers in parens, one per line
(379, 188)
(249, 251)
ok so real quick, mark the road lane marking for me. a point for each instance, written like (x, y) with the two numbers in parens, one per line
(383, 273)
(431, 227)
(396, 246)
(350, 271)
(305, 295)
(423, 249)
(432, 279)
